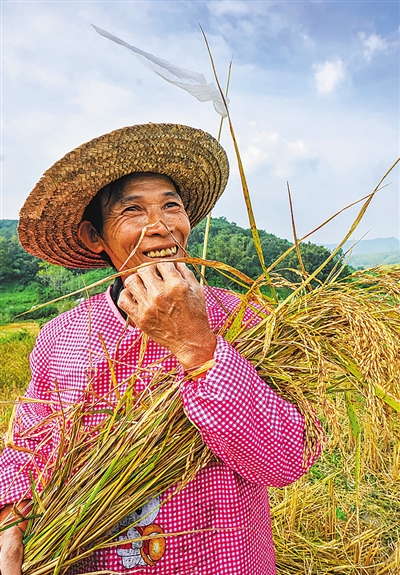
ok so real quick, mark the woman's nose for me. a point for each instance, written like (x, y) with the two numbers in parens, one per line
(157, 227)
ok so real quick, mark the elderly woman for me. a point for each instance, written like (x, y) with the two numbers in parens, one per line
(127, 198)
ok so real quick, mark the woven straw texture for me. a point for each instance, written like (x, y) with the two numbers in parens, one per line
(50, 217)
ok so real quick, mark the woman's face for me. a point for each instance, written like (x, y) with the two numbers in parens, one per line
(147, 223)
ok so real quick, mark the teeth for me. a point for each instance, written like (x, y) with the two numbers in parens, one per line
(162, 253)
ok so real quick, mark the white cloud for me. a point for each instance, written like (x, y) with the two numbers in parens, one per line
(250, 24)
(374, 44)
(63, 85)
(283, 156)
(329, 75)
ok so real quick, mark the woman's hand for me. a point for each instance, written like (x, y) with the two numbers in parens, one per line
(167, 303)
(11, 546)
(11, 551)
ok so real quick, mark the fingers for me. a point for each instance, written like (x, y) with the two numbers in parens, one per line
(135, 284)
(127, 302)
(161, 271)
(135, 291)
(12, 551)
(186, 273)
(150, 280)
(166, 271)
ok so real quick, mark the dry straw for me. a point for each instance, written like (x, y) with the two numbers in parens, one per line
(144, 446)
(333, 346)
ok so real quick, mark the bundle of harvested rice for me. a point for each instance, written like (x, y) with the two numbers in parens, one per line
(142, 448)
(340, 337)
(335, 343)
(338, 347)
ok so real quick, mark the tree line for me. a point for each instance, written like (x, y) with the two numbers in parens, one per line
(233, 245)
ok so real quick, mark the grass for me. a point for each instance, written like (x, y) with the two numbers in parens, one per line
(322, 526)
(16, 330)
(16, 298)
(391, 266)
(372, 260)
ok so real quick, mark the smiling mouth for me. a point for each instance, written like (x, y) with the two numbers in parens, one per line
(162, 253)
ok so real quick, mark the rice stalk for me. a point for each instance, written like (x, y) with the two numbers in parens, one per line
(327, 535)
(295, 237)
(246, 192)
(208, 221)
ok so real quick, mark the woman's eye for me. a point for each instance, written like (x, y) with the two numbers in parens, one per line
(132, 209)
(171, 205)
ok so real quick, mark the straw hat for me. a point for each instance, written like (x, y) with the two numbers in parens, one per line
(50, 217)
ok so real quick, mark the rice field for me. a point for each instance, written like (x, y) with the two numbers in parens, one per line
(16, 342)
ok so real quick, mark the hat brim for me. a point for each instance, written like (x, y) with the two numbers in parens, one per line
(50, 217)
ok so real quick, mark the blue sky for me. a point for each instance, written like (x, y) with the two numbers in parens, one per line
(314, 97)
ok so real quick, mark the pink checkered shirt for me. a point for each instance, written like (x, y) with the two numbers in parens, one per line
(257, 436)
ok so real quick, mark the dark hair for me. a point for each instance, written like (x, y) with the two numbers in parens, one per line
(109, 195)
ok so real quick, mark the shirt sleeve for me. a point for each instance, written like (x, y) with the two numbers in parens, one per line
(29, 441)
(244, 422)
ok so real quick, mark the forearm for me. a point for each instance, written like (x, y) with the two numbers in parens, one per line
(245, 422)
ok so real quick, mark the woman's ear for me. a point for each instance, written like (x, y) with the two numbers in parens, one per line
(90, 237)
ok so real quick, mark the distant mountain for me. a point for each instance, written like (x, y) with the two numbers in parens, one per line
(372, 260)
(376, 246)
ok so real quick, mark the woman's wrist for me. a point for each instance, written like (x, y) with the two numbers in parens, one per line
(198, 355)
